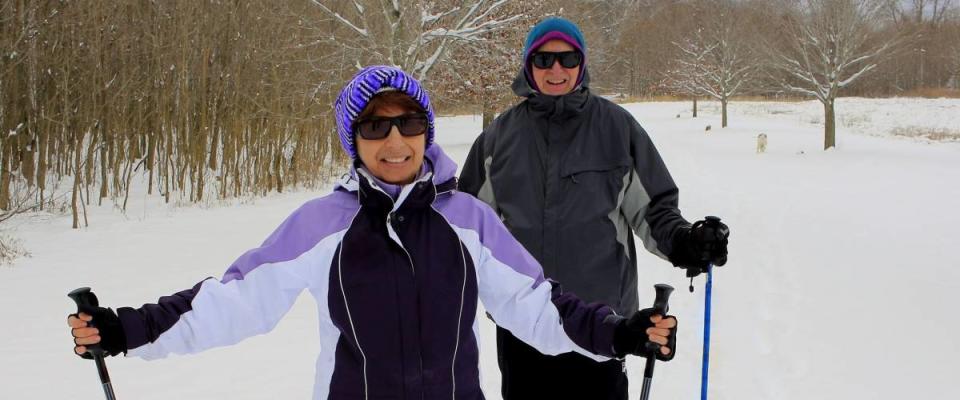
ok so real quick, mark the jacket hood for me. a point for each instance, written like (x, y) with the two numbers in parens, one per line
(544, 31)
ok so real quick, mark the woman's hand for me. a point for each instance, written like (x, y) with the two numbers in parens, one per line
(83, 334)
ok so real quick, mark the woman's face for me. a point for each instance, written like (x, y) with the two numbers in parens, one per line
(396, 158)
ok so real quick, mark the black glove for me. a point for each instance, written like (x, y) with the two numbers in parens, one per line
(112, 338)
(630, 337)
(697, 246)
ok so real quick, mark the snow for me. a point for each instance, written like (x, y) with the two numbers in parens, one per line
(841, 283)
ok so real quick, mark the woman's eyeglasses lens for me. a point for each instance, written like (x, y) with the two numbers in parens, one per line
(379, 128)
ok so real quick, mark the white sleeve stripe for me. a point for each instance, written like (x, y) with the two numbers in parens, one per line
(513, 301)
(226, 313)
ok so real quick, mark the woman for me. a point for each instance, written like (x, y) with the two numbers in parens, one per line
(396, 259)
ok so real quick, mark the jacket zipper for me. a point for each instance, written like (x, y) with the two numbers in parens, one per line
(413, 271)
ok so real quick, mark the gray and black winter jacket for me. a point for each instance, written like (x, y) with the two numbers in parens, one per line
(573, 177)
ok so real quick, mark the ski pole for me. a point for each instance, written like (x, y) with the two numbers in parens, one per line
(705, 363)
(660, 304)
(87, 303)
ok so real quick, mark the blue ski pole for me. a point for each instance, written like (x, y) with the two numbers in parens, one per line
(706, 335)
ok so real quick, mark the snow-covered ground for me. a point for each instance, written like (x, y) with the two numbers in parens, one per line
(842, 281)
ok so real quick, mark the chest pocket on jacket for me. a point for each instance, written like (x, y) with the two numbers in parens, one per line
(592, 189)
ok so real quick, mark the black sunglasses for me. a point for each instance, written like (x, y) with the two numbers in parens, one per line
(377, 128)
(545, 59)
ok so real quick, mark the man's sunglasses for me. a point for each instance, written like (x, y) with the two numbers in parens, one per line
(377, 128)
(545, 59)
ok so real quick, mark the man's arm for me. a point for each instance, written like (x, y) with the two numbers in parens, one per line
(650, 202)
(473, 178)
(650, 205)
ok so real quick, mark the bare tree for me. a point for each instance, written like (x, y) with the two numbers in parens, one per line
(687, 76)
(603, 24)
(644, 46)
(934, 12)
(953, 56)
(23, 199)
(202, 98)
(827, 45)
(413, 35)
(717, 60)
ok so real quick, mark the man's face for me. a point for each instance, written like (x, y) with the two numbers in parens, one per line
(396, 158)
(556, 80)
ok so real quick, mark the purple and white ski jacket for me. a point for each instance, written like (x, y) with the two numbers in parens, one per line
(396, 283)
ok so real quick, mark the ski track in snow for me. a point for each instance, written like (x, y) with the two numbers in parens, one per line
(841, 282)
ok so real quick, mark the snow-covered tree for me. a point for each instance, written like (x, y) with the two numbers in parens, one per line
(717, 59)
(413, 35)
(826, 46)
(686, 73)
(478, 78)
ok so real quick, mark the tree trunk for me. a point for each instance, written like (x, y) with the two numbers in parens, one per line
(723, 108)
(214, 148)
(488, 115)
(694, 107)
(77, 176)
(168, 151)
(42, 164)
(278, 170)
(829, 125)
(28, 162)
(89, 165)
(104, 150)
(5, 156)
(150, 165)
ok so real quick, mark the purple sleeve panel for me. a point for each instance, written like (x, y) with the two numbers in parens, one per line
(467, 212)
(590, 326)
(302, 230)
(145, 324)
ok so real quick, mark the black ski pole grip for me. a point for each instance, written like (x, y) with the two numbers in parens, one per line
(87, 303)
(662, 305)
(662, 301)
(715, 222)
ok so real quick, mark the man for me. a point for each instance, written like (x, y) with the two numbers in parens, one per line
(571, 174)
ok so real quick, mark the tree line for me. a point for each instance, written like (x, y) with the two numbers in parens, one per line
(220, 98)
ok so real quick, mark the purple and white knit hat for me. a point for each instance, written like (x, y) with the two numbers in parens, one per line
(363, 86)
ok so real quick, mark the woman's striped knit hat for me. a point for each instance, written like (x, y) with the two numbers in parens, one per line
(363, 86)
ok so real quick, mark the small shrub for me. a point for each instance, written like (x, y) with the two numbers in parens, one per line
(10, 250)
(932, 134)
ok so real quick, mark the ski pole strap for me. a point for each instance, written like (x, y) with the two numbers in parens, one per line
(706, 335)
